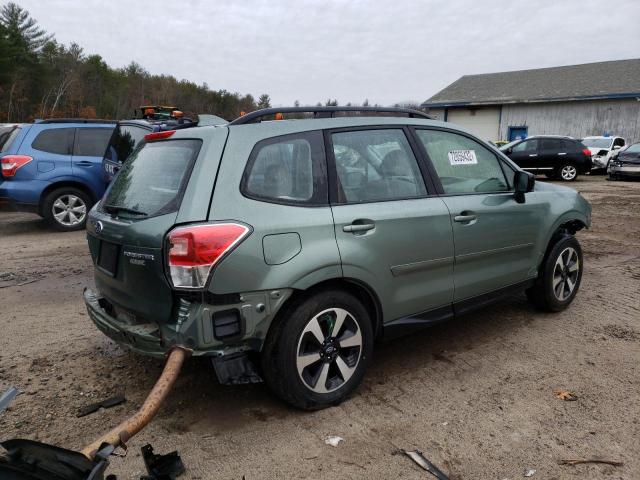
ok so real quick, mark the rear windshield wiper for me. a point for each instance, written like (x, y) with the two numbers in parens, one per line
(119, 208)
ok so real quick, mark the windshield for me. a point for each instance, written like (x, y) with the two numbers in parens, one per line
(509, 145)
(7, 135)
(152, 181)
(635, 148)
(597, 142)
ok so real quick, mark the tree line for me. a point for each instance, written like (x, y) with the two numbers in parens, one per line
(42, 78)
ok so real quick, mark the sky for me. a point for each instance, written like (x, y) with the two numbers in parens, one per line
(386, 51)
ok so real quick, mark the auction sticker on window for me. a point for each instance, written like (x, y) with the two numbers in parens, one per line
(462, 157)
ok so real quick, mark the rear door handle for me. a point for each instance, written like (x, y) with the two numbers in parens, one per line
(465, 217)
(533, 154)
(84, 163)
(562, 153)
(358, 227)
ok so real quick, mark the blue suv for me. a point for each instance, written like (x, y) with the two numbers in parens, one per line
(54, 168)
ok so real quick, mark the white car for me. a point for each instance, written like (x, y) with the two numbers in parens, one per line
(602, 148)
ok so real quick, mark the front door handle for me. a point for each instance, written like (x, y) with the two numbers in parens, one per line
(465, 217)
(358, 227)
(533, 154)
(562, 153)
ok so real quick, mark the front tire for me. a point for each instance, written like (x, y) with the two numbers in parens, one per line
(317, 352)
(559, 281)
(66, 209)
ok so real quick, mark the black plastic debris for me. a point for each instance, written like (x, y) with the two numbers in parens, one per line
(161, 467)
(108, 403)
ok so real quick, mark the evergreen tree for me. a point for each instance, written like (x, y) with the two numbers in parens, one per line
(264, 101)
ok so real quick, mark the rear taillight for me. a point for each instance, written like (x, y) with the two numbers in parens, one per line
(194, 250)
(149, 137)
(587, 152)
(11, 164)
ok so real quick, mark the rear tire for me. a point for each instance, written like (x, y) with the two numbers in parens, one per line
(310, 374)
(568, 172)
(559, 281)
(66, 209)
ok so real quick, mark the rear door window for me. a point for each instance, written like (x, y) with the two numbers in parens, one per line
(7, 136)
(376, 166)
(123, 141)
(91, 142)
(528, 146)
(288, 169)
(55, 140)
(552, 144)
(153, 180)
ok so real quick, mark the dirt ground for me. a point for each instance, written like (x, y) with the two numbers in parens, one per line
(475, 395)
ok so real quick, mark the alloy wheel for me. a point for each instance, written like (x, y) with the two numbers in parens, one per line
(565, 273)
(329, 350)
(568, 172)
(69, 210)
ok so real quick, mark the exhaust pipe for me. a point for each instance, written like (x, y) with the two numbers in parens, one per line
(121, 434)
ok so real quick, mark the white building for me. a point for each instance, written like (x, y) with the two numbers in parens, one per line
(578, 100)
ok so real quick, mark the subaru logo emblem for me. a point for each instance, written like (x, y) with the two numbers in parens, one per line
(98, 226)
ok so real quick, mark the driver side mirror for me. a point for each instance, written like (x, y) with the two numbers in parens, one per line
(524, 182)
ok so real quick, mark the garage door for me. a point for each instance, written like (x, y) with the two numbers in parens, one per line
(484, 122)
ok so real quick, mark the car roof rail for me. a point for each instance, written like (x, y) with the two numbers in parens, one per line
(75, 120)
(325, 112)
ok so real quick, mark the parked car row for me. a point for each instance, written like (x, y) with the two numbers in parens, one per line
(54, 168)
(60, 168)
(555, 156)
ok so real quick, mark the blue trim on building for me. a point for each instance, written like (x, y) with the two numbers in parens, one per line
(541, 100)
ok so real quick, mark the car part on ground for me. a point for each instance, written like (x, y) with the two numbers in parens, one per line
(31, 460)
(253, 240)
(106, 403)
(418, 457)
(7, 397)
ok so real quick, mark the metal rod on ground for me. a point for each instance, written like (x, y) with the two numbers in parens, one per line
(127, 429)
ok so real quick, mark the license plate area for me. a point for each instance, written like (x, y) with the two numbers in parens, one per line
(108, 258)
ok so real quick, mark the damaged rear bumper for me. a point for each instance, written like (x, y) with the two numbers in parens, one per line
(207, 329)
(144, 339)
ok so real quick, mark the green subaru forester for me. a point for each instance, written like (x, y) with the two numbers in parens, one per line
(284, 248)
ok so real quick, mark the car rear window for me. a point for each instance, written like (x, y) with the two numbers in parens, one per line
(7, 136)
(55, 140)
(153, 180)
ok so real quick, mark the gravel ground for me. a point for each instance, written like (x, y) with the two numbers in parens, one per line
(475, 395)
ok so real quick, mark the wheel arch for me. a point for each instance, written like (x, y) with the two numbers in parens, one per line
(565, 226)
(357, 288)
